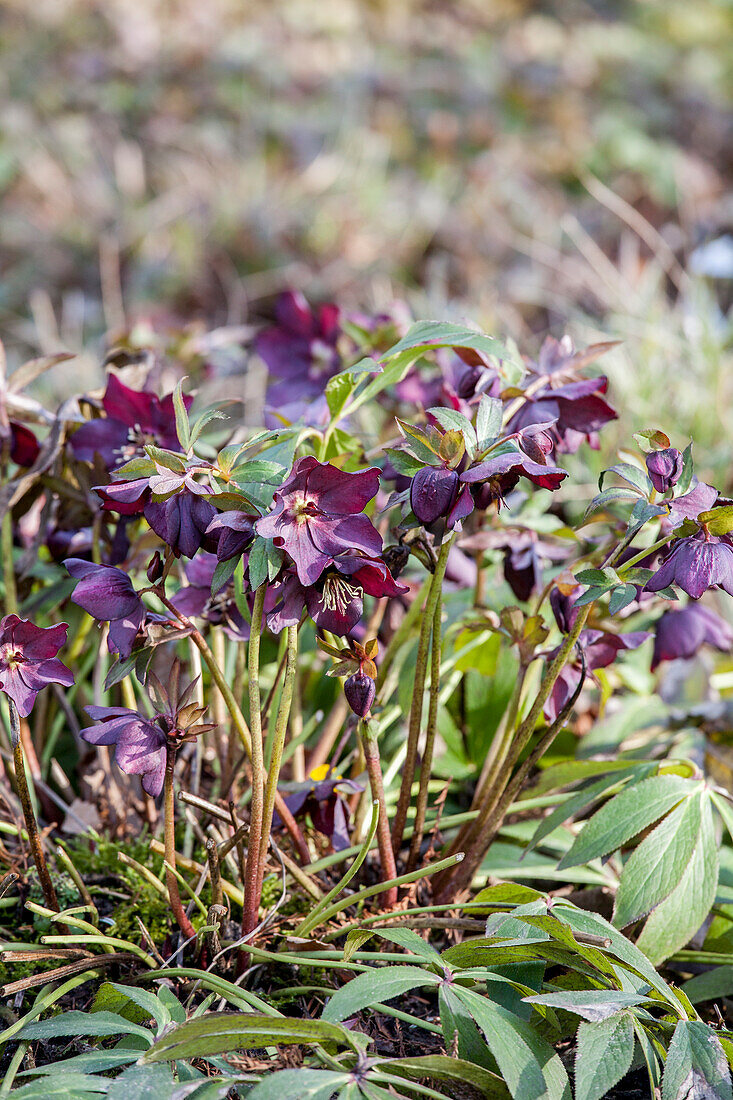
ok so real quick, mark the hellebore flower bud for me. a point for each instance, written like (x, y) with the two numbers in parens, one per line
(432, 492)
(360, 690)
(665, 468)
(155, 569)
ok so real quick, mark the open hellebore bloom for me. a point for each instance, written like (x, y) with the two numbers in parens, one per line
(497, 475)
(695, 563)
(600, 649)
(133, 419)
(141, 744)
(107, 594)
(665, 468)
(317, 516)
(28, 660)
(300, 348)
(578, 410)
(197, 600)
(336, 601)
(681, 633)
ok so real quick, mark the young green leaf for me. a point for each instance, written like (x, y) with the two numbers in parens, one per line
(183, 430)
(696, 1065)
(376, 985)
(604, 1053)
(656, 866)
(219, 1032)
(626, 815)
(676, 920)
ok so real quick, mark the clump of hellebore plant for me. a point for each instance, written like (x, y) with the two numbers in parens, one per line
(148, 747)
(28, 662)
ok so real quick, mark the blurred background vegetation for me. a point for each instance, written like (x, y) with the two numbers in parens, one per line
(172, 164)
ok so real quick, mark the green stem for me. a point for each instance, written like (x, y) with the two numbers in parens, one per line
(21, 783)
(644, 553)
(237, 718)
(6, 549)
(402, 633)
(170, 846)
(281, 727)
(421, 663)
(427, 758)
(472, 839)
(374, 771)
(252, 876)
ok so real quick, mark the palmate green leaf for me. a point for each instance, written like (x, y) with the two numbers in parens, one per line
(637, 478)
(575, 805)
(604, 1053)
(377, 985)
(696, 1066)
(581, 920)
(626, 815)
(676, 919)
(84, 1023)
(442, 1068)
(656, 866)
(618, 495)
(593, 1005)
(219, 1032)
(528, 1064)
(299, 1084)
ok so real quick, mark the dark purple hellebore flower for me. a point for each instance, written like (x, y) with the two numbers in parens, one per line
(28, 660)
(196, 600)
(317, 516)
(140, 746)
(523, 569)
(696, 563)
(107, 594)
(681, 633)
(493, 478)
(360, 690)
(300, 349)
(24, 447)
(563, 607)
(701, 498)
(665, 468)
(133, 419)
(182, 521)
(127, 498)
(335, 602)
(600, 649)
(434, 491)
(323, 797)
(578, 411)
(236, 531)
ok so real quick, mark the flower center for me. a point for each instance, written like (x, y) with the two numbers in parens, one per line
(338, 594)
(302, 509)
(135, 445)
(10, 657)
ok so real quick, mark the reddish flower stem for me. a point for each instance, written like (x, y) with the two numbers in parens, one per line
(170, 846)
(384, 841)
(31, 825)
